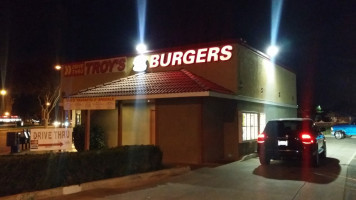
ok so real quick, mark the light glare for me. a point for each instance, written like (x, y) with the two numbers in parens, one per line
(141, 48)
(272, 51)
(58, 67)
(140, 63)
(141, 15)
(3, 92)
(66, 123)
(56, 123)
(276, 11)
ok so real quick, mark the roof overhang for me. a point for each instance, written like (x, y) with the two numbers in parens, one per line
(96, 103)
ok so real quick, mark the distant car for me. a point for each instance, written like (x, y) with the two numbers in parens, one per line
(35, 122)
(296, 138)
(10, 121)
(344, 130)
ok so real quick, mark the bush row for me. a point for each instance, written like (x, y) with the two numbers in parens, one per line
(32, 172)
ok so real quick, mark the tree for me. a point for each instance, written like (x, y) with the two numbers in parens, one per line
(48, 101)
(30, 80)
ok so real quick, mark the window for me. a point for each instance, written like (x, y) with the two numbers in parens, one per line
(262, 122)
(252, 125)
(249, 126)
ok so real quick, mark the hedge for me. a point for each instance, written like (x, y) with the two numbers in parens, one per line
(32, 172)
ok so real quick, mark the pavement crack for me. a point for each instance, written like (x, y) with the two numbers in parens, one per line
(300, 188)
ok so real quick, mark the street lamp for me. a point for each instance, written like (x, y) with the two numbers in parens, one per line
(58, 67)
(3, 92)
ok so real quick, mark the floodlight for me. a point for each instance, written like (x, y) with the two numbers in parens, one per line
(141, 48)
(272, 51)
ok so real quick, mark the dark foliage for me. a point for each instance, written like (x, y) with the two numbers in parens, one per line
(25, 173)
(78, 137)
(96, 137)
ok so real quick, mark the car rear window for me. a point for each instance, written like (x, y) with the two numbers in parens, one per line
(282, 128)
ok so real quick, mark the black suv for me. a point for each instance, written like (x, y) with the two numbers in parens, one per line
(291, 138)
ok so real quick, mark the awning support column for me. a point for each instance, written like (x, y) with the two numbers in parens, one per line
(87, 131)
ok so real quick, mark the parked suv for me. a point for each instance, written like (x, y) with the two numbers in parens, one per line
(295, 138)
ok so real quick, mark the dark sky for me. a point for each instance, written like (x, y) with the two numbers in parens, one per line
(316, 37)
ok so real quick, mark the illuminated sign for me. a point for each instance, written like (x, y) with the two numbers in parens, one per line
(51, 139)
(9, 119)
(140, 63)
(94, 103)
(95, 67)
(192, 56)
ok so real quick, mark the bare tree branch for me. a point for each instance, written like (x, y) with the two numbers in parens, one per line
(48, 102)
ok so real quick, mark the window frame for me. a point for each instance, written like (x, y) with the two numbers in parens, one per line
(251, 125)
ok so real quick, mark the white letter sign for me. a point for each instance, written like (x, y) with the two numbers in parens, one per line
(191, 56)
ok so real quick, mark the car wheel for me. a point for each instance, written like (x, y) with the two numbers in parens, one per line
(323, 154)
(263, 156)
(339, 135)
(315, 160)
(264, 159)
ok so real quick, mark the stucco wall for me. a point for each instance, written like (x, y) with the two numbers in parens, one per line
(275, 112)
(72, 84)
(260, 79)
(108, 120)
(217, 115)
(136, 123)
(231, 137)
(213, 141)
(178, 130)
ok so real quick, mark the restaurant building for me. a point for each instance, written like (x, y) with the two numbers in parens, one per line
(200, 104)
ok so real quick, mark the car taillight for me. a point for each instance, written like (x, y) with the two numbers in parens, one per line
(261, 138)
(307, 138)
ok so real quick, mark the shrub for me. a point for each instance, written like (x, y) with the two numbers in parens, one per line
(25, 173)
(79, 137)
(96, 137)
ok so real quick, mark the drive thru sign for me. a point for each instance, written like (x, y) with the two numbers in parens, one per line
(51, 139)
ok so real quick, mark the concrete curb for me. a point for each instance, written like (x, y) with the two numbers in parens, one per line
(120, 182)
(247, 157)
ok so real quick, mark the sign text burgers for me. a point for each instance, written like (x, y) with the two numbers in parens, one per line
(192, 56)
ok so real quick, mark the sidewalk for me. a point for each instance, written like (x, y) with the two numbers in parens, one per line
(350, 185)
(101, 187)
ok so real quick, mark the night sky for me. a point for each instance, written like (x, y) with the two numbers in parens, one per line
(316, 38)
